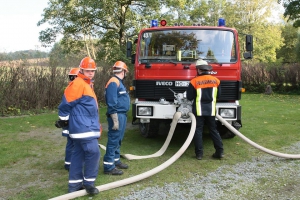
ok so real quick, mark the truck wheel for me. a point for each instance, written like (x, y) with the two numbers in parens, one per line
(149, 130)
(224, 132)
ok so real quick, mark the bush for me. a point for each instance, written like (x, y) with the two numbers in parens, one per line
(27, 87)
(284, 78)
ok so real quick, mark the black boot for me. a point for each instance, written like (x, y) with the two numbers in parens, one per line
(122, 166)
(91, 189)
(114, 171)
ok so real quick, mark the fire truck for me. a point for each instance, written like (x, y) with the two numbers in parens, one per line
(164, 63)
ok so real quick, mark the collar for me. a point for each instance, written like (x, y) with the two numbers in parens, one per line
(119, 78)
(85, 78)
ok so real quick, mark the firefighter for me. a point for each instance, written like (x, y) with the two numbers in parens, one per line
(204, 91)
(79, 110)
(118, 102)
(73, 73)
(69, 146)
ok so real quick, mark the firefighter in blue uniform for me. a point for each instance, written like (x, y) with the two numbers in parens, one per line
(69, 146)
(79, 110)
(204, 91)
(118, 102)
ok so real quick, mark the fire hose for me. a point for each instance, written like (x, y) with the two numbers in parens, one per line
(274, 153)
(173, 158)
(145, 174)
(162, 150)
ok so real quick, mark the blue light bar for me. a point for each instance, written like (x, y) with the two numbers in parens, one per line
(221, 22)
(154, 23)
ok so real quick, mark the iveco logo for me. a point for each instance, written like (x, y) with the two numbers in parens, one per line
(164, 83)
(212, 72)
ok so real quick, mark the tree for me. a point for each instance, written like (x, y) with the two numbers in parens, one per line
(292, 11)
(82, 22)
(58, 57)
(287, 53)
(253, 17)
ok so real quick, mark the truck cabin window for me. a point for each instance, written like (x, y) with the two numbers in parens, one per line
(217, 46)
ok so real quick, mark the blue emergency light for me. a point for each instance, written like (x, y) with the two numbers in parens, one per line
(154, 23)
(221, 22)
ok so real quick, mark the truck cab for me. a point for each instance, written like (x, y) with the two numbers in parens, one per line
(164, 64)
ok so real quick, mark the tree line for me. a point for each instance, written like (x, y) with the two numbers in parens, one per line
(23, 55)
(100, 29)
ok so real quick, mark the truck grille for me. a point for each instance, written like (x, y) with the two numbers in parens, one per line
(148, 90)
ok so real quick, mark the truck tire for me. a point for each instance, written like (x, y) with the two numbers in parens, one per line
(224, 132)
(149, 130)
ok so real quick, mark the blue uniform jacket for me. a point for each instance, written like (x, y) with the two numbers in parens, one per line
(79, 106)
(116, 96)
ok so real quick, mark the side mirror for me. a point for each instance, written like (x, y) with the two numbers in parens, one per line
(249, 43)
(128, 49)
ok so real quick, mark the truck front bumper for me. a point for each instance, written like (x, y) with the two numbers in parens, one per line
(147, 110)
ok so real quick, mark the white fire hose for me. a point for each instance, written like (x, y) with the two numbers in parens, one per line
(173, 158)
(145, 174)
(165, 145)
(274, 153)
(162, 150)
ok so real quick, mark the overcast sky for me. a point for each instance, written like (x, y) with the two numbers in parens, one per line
(18, 22)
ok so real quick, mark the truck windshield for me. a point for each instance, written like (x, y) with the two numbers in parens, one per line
(217, 46)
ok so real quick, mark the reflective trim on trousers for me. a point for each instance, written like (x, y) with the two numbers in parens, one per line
(75, 181)
(85, 135)
(108, 163)
(89, 179)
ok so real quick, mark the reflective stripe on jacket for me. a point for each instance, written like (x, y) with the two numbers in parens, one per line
(203, 90)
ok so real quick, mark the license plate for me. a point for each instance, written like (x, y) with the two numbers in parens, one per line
(182, 83)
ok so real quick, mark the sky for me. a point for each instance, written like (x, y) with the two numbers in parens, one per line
(18, 22)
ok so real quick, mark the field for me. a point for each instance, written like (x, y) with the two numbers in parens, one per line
(32, 150)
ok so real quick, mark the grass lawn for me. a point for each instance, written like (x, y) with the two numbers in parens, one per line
(32, 149)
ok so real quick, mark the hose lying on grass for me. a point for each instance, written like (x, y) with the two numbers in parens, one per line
(162, 150)
(145, 174)
(274, 153)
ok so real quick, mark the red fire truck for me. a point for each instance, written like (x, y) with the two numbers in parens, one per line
(164, 63)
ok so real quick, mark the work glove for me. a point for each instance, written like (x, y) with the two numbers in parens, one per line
(115, 119)
(62, 123)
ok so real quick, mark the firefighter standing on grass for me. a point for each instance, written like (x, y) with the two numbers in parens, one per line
(204, 90)
(69, 146)
(118, 102)
(79, 109)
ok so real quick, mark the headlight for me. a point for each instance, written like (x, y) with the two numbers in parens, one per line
(227, 112)
(144, 111)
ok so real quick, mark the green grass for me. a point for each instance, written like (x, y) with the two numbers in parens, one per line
(32, 149)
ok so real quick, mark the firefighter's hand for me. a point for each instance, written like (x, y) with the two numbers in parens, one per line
(115, 119)
(100, 132)
(62, 123)
(100, 129)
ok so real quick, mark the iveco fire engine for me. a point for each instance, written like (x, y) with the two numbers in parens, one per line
(164, 64)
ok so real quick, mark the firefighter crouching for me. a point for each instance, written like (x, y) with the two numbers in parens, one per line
(79, 109)
(118, 102)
